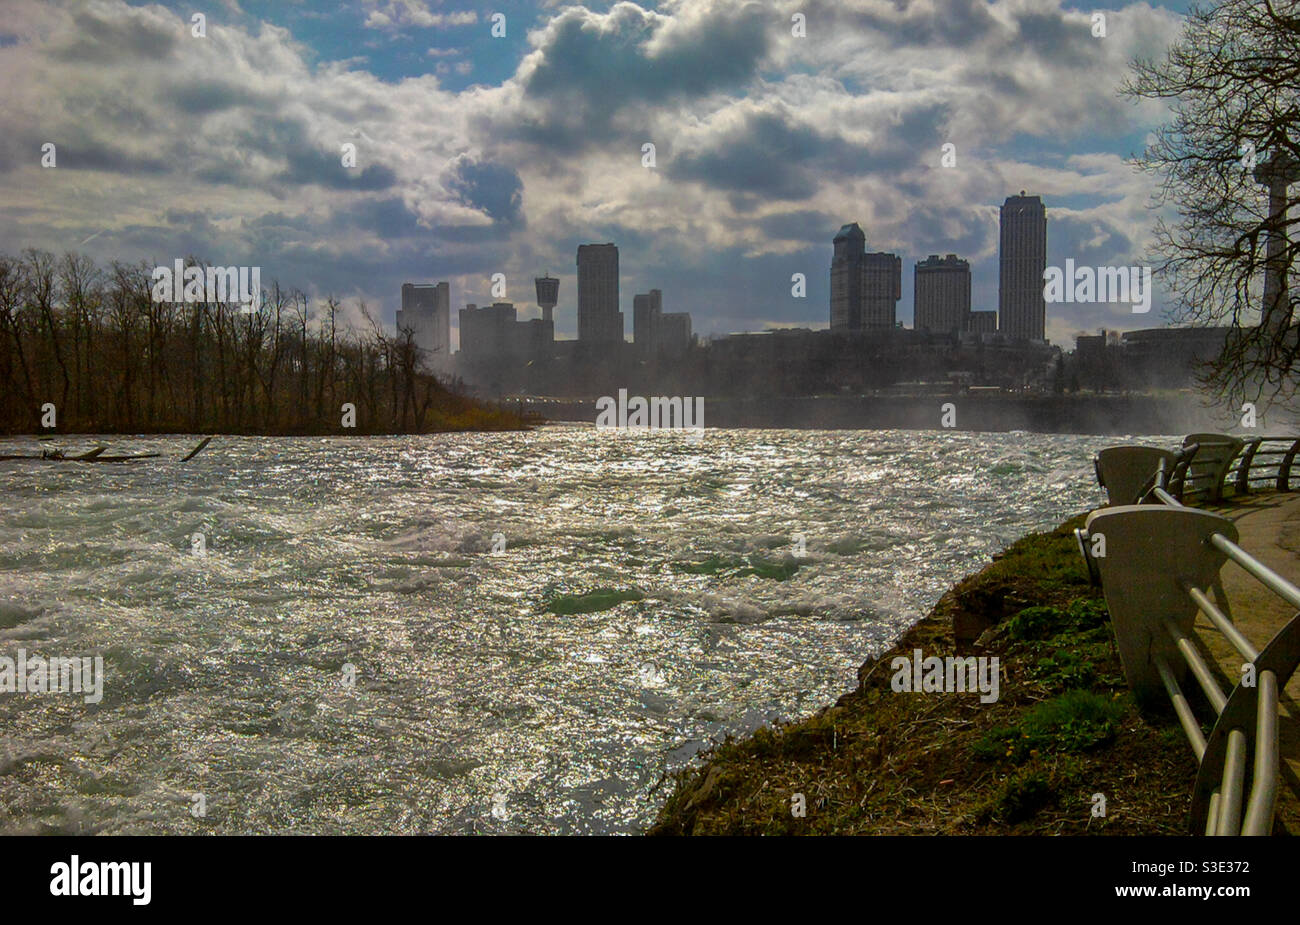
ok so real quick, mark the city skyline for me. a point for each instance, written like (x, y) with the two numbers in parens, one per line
(864, 289)
(476, 155)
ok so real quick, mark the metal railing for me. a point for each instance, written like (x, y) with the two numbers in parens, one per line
(1159, 564)
(1206, 468)
(1263, 462)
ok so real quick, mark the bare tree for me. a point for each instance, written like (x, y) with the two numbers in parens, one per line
(70, 332)
(1232, 82)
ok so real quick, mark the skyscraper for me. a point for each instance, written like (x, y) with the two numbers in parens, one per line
(426, 312)
(882, 287)
(942, 294)
(646, 312)
(846, 278)
(1022, 258)
(864, 287)
(599, 320)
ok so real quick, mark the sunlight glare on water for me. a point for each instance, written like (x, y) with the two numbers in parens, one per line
(492, 692)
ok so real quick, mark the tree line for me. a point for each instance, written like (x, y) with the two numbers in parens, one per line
(91, 342)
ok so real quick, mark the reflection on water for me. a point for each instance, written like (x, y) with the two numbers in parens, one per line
(461, 633)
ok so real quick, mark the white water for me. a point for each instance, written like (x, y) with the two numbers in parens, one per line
(474, 708)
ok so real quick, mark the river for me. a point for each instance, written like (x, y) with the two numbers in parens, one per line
(387, 635)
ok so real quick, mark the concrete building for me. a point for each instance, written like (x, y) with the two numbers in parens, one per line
(982, 322)
(426, 312)
(494, 334)
(882, 287)
(942, 292)
(647, 309)
(655, 331)
(865, 288)
(599, 320)
(488, 332)
(674, 335)
(1022, 258)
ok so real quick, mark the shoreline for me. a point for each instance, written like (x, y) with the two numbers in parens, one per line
(522, 426)
(1063, 731)
(1084, 413)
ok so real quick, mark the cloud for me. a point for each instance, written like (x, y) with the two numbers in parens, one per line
(395, 14)
(766, 142)
(494, 190)
(107, 34)
(591, 76)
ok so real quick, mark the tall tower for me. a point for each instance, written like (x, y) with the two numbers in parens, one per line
(1022, 258)
(599, 320)
(1277, 173)
(846, 278)
(548, 293)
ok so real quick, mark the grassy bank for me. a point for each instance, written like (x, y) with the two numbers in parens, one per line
(880, 762)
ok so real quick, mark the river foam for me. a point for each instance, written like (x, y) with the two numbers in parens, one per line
(472, 706)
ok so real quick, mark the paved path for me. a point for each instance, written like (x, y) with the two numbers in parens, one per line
(1270, 531)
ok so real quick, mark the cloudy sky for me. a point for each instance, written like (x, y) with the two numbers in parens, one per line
(479, 153)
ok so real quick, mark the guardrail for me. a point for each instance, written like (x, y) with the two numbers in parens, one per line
(1159, 565)
(1263, 461)
(1207, 467)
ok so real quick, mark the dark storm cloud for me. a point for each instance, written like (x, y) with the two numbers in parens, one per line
(801, 225)
(955, 22)
(769, 155)
(280, 223)
(595, 76)
(490, 188)
(170, 238)
(940, 230)
(611, 57)
(202, 97)
(312, 165)
(773, 155)
(137, 35)
(388, 218)
(1053, 39)
(101, 155)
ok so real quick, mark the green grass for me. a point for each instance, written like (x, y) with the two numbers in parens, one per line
(1071, 722)
(880, 762)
